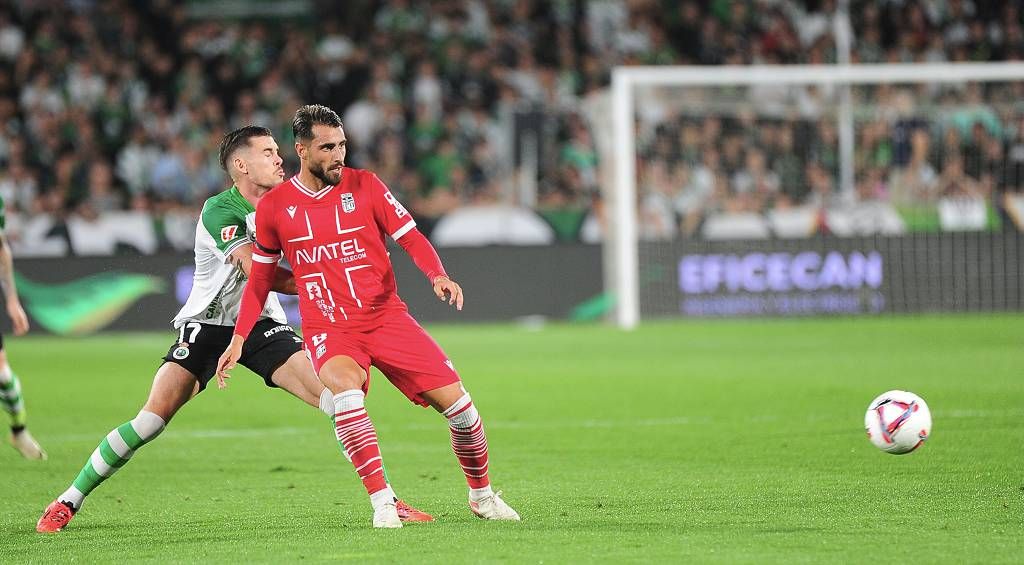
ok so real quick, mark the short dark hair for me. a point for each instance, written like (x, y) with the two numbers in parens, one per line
(235, 139)
(311, 114)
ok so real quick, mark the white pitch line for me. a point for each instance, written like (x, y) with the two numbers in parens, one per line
(203, 434)
(539, 423)
(227, 433)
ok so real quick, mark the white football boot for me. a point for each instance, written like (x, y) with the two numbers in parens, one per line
(386, 516)
(493, 508)
(27, 445)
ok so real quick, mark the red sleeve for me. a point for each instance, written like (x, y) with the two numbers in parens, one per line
(265, 255)
(423, 254)
(395, 220)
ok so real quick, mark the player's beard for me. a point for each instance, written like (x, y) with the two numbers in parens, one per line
(328, 177)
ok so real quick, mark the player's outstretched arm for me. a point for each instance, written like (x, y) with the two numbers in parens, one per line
(425, 256)
(18, 317)
(254, 298)
(229, 359)
(394, 219)
(262, 272)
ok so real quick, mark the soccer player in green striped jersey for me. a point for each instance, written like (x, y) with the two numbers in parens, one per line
(10, 387)
(205, 324)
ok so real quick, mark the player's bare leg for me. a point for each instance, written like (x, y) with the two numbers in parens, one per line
(296, 376)
(14, 404)
(173, 386)
(469, 442)
(353, 428)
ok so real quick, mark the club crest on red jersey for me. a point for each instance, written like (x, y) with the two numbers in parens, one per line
(348, 202)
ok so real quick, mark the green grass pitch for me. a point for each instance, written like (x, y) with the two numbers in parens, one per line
(730, 442)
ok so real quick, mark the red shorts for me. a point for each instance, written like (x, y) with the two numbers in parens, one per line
(400, 348)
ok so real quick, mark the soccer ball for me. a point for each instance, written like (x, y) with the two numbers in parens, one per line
(898, 422)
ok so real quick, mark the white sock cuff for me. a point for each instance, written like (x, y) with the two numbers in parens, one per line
(74, 496)
(348, 400)
(457, 405)
(382, 496)
(476, 494)
(462, 415)
(327, 401)
(148, 425)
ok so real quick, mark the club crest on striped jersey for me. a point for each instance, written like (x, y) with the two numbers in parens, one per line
(227, 233)
(348, 203)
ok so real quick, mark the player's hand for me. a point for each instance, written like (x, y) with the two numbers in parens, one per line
(447, 289)
(18, 317)
(228, 359)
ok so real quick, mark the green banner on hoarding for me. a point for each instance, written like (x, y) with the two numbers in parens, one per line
(87, 304)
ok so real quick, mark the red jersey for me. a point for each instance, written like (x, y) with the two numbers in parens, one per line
(334, 241)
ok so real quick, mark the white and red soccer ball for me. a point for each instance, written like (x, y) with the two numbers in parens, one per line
(898, 422)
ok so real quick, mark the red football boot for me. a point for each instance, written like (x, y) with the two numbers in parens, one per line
(407, 513)
(55, 517)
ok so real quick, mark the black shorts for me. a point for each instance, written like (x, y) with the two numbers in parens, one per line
(200, 346)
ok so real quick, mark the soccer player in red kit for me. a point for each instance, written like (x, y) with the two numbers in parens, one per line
(330, 222)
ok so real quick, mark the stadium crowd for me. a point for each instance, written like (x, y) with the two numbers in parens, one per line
(111, 108)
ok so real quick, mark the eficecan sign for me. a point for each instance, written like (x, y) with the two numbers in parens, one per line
(806, 282)
(779, 272)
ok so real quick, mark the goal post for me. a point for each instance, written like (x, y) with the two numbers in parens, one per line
(623, 237)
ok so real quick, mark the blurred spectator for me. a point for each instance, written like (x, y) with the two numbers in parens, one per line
(755, 179)
(436, 169)
(1014, 163)
(68, 182)
(953, 182)
(699, 191)
(12, 38)
(18, 186)
(168, 177)
(41, 95)
(426, 89)
(822, 190)
(102, 195)
(916, 183)
(84, 86)
(136, 159)
(579, 154)
(657, 203)
(788, 166)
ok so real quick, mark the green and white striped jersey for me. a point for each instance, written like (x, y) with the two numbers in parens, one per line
(226, 223)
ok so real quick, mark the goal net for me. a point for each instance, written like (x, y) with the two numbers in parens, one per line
(799, 190)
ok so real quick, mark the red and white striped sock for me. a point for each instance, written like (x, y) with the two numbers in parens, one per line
(355, 431)
(469, 441)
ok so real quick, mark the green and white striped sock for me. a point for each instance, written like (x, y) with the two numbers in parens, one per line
(112, 453)
(10, 397)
